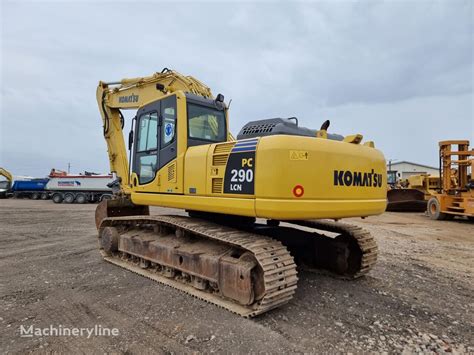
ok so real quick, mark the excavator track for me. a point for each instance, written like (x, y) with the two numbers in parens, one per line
(363, 244)
(349, 252)
(273, 271)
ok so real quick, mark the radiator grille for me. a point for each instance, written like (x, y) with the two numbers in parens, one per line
(224, 148)
(221, 153)
(217, 185)
(258, 128)
(172, 173)
(220, 159)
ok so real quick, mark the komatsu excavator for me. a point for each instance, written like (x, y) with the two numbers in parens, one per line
(255, 205)
(6, 184)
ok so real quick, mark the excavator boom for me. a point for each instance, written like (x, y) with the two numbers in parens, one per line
(5, 173)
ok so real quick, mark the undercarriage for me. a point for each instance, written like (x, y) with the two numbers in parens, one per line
(249, 268)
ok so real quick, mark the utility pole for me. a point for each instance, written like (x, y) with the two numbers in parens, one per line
(68, 168)
(390, 163)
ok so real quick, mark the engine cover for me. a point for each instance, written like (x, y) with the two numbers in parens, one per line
(274, 126)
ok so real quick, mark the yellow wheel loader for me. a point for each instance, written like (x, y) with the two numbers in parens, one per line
(414, 194)
(256, 206)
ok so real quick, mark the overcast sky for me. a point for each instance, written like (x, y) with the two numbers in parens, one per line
(398, 72)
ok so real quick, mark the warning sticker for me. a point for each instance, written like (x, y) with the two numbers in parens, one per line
(299, 155)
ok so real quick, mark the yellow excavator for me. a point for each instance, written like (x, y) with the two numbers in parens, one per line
(256, 205)
(5, 185)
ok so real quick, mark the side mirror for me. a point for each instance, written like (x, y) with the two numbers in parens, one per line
(130, 140)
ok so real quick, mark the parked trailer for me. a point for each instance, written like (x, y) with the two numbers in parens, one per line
(79, 188)
(32, 188)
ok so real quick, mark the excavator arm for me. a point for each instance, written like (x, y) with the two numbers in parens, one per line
(132, 94)
(5, 173)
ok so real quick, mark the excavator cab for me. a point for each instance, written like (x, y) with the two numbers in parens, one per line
(165, 128)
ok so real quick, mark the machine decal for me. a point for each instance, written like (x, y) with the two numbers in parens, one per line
(245, 145)
(298, 191)
(240, 170)
(169, 130)
(299, 155)
(69, 183)
(128, 99)
(357, 178)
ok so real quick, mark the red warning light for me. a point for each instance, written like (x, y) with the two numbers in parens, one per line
(298, 191)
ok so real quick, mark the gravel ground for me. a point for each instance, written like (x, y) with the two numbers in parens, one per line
(418, 298)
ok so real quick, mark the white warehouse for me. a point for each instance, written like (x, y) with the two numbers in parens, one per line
(404, 169)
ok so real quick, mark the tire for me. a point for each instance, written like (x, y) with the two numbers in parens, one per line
(57, 197)
(434, 210)
(44, 196)
(109, 238)
(470, 219)
(69, 197)
(81, 198)
(35, 196)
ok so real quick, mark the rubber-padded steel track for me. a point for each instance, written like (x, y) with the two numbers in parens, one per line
(365, 241)
(279, 269)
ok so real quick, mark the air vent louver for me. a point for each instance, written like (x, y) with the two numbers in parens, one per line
(217, 184)
(172, 173)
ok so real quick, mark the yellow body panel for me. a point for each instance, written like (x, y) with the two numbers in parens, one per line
(282, 163)
(235, 206)
(196, 169)
(277, 174)
(315, 209)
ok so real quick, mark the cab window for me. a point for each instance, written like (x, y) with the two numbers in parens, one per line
(147, 169)
(147, 133)
(147, 145)
(206, 123)
(168, 127)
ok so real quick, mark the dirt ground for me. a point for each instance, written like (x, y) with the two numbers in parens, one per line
(418, 298)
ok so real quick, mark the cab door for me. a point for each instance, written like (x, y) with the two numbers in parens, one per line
(146, 157)
(167, 131)
(155, 143)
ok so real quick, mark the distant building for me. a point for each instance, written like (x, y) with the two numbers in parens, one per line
(404, 169)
